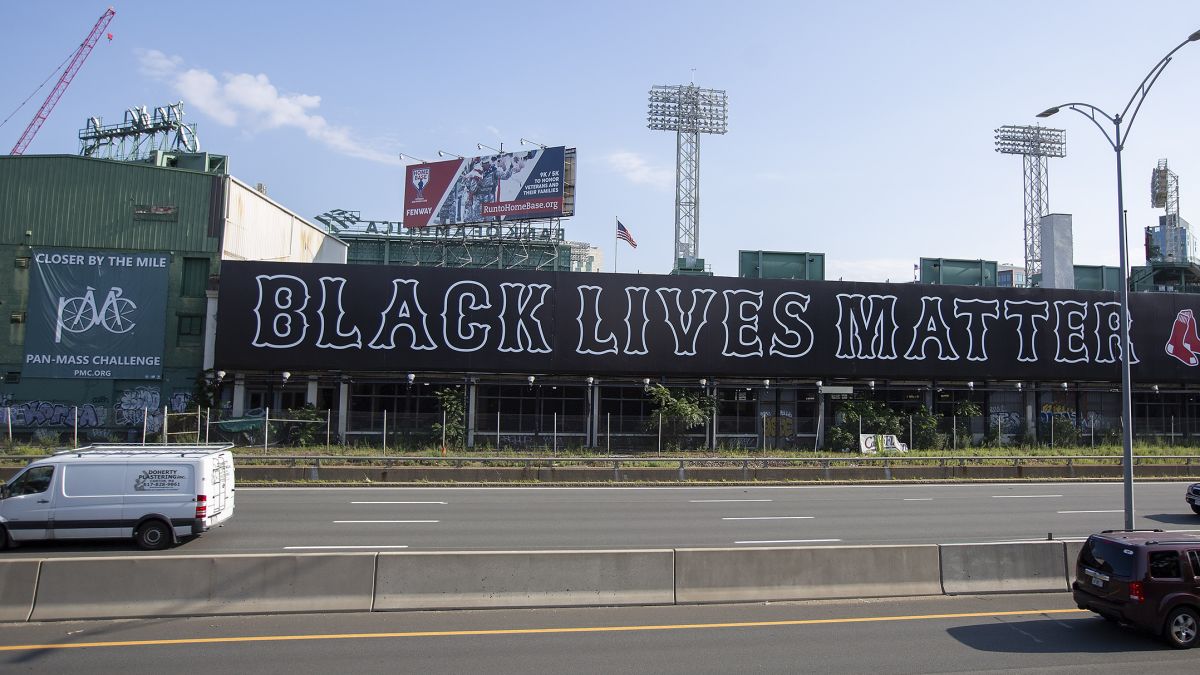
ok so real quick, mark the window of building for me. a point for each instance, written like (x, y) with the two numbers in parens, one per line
(195, 278)
(191, 330)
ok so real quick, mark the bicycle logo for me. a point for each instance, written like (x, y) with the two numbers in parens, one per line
(79, 314)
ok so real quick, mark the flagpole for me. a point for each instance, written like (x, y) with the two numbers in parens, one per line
(616, 244)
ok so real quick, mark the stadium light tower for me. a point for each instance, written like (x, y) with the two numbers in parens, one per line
(1035, 144)
(689, 111)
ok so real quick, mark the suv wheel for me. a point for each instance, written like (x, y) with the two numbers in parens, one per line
(1181, 627)
(1195, 508)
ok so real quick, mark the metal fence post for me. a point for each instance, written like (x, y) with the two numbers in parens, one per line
(554, 435)
(660, 433)
(497, 424)
(910, 433)
(8, 416)
(145, 422)
(443, 433)
(954, 430)
(328, 427)
(266, 426)
(385, 429)
(207, 423)
(608, 434)
(75, 424)
(165, 427)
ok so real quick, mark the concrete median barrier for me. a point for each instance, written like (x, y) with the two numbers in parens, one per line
(805, 573)
(524, 579)
(18, 584)
(120, 587)
(1027, 567)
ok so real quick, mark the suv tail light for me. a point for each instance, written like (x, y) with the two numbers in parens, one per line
(202, 510)
(1135, 591)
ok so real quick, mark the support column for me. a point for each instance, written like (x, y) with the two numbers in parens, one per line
(343, 409)
(310, 393)
(469, 415)
(239, 395)
(210, 330)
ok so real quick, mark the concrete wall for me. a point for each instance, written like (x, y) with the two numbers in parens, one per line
(134, 586)
(807, 573)
(524, 579)
(144, 586)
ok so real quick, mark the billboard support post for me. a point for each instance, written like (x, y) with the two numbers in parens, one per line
(145, 423)
(75, 424)
(164, 426)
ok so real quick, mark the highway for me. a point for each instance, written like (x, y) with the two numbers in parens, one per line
(537, 518)
(1004, 633)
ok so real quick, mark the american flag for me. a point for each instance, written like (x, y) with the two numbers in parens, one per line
(623, 233)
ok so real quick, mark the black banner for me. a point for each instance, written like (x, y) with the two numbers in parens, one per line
(286, 316)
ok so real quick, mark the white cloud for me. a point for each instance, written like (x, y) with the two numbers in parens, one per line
(252, 102)
(637, 170)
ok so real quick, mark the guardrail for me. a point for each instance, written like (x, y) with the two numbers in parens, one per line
(637, 468)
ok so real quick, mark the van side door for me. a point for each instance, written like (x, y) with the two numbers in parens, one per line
(27, 510)
(90, 501)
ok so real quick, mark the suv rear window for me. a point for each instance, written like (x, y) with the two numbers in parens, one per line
(1106, 556)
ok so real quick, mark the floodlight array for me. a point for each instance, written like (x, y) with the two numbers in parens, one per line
(688, 108)
(1031, 140)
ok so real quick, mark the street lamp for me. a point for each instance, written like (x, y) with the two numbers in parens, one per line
(443, 153)
(1118, 143)
(404, 156)
(498, 151)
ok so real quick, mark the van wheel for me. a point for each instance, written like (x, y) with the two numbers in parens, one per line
(153, 535)
(1181, 628)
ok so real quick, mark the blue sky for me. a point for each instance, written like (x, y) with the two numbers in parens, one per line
(862, 130)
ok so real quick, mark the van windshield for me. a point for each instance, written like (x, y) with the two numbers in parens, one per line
(1106, 556)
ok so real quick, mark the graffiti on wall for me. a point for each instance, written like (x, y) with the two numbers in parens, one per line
(39, 414)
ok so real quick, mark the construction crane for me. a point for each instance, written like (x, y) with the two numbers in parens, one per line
(73, 67)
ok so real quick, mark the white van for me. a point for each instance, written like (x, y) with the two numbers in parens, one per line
(154, 494)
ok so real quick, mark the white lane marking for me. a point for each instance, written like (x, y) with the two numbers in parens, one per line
(1105, 511)
(789, 541)
(1022, 496)
(1026, 540)
(918, 499)
(385, 521)
(1113, 483)
(326, 548)
(723, 501)
(771, 518)
(1181, 530)
(397, 502)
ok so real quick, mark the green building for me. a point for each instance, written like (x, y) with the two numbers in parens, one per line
(96, 342)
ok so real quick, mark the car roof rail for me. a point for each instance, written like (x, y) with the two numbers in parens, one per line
(1116, 531)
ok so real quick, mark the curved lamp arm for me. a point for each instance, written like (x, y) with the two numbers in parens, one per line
(1091, 112)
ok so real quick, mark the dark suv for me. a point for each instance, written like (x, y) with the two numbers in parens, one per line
(1193, 497)
(1146, 578)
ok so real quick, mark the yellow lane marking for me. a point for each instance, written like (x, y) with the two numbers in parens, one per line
(529, 631)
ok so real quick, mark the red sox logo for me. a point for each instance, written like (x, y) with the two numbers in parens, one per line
(1184, 344)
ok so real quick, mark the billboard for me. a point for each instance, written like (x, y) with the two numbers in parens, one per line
(508, 186)
(96, 314)
(275, 316)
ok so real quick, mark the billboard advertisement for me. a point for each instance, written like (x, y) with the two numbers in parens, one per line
(96, 314)
(508, 186)
(401, 319)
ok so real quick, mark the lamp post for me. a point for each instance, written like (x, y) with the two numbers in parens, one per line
(1117, 142)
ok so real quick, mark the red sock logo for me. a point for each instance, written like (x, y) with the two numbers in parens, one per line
(1184, 343)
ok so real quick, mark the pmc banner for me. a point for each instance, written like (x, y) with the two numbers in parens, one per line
(96, 314)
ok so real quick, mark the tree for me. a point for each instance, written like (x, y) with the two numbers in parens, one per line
(680, 410)
(451, 400)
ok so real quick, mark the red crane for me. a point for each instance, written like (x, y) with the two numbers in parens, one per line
(73, 67)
